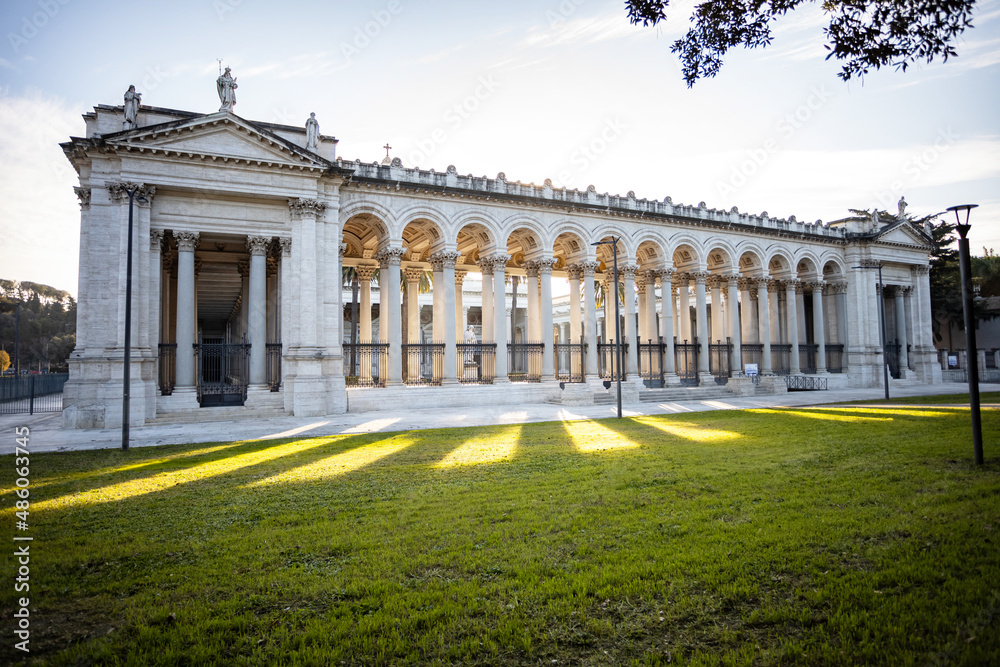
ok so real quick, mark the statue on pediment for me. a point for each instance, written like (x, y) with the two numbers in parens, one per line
(226, 86)
(902, 207)
(312, 133)
(132, 101)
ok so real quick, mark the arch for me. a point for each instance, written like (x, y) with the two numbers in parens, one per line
(430, 221)
(604, 232)
(688, 255)
(719, 258)
(364, 227)
(370, 208)
(751, 260)
(650, 254)
(421, 237)
(779, 262)
(528, 222)
(806, 265)
(833, 268)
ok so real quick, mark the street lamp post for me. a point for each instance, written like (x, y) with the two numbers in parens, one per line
(126, 386)
(618, 336)
(881, 317)
(965, 266)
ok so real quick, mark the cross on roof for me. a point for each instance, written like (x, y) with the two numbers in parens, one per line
(387, 147)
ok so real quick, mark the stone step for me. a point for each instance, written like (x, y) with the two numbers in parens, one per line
(216, 414)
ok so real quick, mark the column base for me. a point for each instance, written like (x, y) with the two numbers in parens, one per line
(577, 393)
(671, 380)
(182, 398)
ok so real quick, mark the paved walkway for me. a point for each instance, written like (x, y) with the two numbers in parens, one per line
(47, 433)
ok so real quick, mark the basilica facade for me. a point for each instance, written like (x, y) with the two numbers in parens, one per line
(271, 277)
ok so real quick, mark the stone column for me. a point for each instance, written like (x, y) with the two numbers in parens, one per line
(486, 270)
(448, 330)
(155, 290)
(243, 267)
(819, 326)
(575, 317)
(684, 307)
(900, 309)
(669, 361)
(390, 329)
(701, 311)
(791, 287)
(534, 323)
(718, 327)
(800, 309)
(763, 311)
(609, 306)
(735, 335)
(651, 333)
(365, 274)
(459, 306)
(675, 309)
(590, 318)
(640, 291)
(840, 303)
(500, 316)
(285, 284)
(632, 362)
(257, 309)
(548, 356)
(412, 360)
(186, 244)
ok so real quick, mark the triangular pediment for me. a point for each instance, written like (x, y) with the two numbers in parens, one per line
(219, 136)
(903, 233)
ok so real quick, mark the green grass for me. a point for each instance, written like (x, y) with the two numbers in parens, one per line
(801, 536)
(937, 399)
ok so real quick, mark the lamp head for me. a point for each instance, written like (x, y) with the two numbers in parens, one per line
(963, 228)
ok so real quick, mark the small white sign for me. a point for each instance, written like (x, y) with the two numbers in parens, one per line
(750, 369)
(952, 361)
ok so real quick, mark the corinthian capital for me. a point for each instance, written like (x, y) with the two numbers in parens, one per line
(186, 241)
(388, 257)
(441, 260)
(257, 245)
(308, 207)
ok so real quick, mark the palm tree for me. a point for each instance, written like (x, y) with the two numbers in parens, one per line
(350, 275)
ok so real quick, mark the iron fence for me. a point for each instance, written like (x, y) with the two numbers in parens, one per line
(366, 364)
(686, 362)
(524, 362)
(570, 361)
(167, 367)
(719, 355)
(273, 366)
(752, 353)
(781, 358)
(835, 358)
(423, 363)
(805, 383)
(807, 357)
(892, 358)
(606, 363)
(651, 362)
(476, 362)
(28, 394)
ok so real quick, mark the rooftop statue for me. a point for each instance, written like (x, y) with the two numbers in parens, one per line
(312, 132)
(132, 101)
(226, 86)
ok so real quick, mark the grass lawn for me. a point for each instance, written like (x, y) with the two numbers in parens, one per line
(798, 536)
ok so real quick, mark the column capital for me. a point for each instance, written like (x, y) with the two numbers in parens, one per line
(640, 282)
(700, 277)
(652, 275)
(272, 266)
(243, 267)
(817, 286)
(920, 269)
(575, 271)
(156, 240)
(390, 257)
(744, 283)
(460, 276)
(800, 287)
(365, 272)
(186, 241)
(545, 265)
(83, 194)
(257, 245)
(491, 262)
(441, 260)
(119, 190)
(839, 288)
(907, 290)
(589, 268)
(309, 207)
(714, 281)
(762, 282)
(285, 243)
(413, 273)
(531, 268)
(628, 271)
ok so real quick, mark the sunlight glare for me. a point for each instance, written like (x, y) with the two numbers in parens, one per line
(374, 425)
(294, 431)
(495, 448)
(589, 436)
(338, 464)
(689, 431)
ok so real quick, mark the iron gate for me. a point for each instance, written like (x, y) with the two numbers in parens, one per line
(223, 373)
(719, 354)
(686, 362)
(28, 394)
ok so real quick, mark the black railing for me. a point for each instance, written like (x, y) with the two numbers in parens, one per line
(719, 354)
(686, 362)
(167, 366)
(807, 357)
(805, 383)
(752, 353)
(651, 362)
(571, 359)
(606, 363)
(781, 358)
(273, 366)
(524, 362)
(28, 394)
(223, 373)
(476, 362)
(835, 358)
(423, 363)
(370, 364)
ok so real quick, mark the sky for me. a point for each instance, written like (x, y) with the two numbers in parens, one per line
(566, 90)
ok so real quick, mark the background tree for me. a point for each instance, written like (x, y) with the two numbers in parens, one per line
(986, 273)
(864, 35)
(47, 328)
(4, 361)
